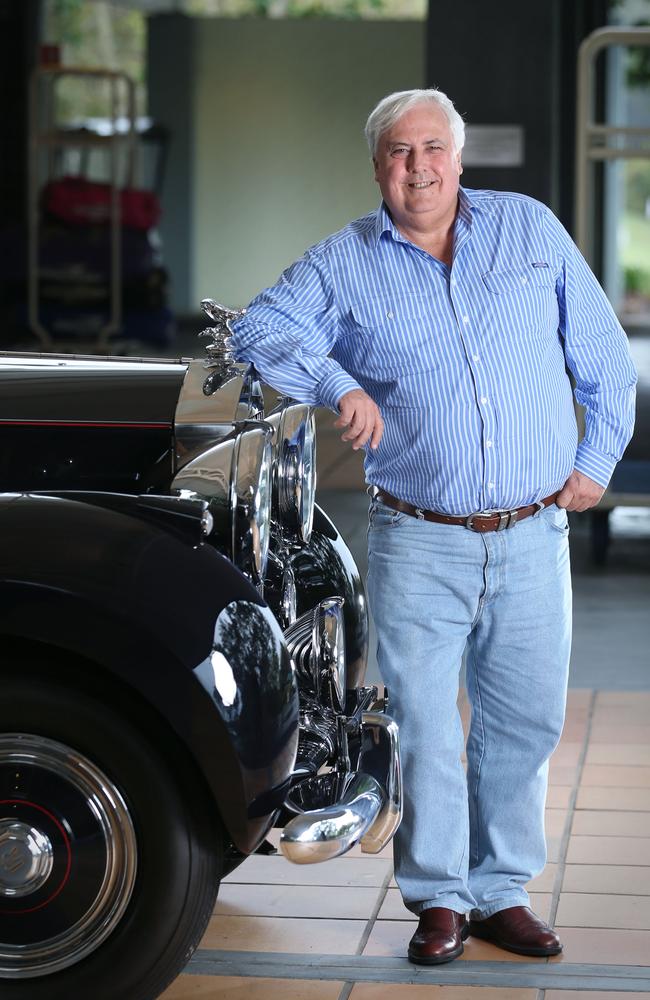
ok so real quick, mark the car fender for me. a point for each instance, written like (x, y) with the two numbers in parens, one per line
(173, 620)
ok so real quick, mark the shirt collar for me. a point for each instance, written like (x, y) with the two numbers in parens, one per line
(466, 206)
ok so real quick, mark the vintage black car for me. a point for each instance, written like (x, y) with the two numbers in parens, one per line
(183, 640)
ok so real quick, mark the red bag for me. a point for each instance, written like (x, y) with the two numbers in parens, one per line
(77, 201)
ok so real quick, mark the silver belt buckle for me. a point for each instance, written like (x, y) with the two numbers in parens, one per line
(506, 519)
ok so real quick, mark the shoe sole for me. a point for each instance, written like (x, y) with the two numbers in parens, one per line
(535, 952)
(440, 960)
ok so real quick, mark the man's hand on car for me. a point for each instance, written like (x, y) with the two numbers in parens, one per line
(360, 414)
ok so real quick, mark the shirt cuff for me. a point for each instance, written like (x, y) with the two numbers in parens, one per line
(594, 463)
(333, 386)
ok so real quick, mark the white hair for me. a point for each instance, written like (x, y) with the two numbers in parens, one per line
(391, 108)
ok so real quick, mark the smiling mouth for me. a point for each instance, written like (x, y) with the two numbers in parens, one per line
(420, 185)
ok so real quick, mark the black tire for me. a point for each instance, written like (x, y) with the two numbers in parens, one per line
(178, 844)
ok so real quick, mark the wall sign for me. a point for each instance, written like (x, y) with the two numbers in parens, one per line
(494, 146)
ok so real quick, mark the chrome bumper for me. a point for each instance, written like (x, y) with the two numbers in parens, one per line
(358, 806)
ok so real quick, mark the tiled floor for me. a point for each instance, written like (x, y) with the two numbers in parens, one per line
(317, 932)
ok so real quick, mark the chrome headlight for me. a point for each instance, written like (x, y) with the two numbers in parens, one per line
(294, 476)
(250, 486)
(235, 476)
(328, 652)
(316, 642)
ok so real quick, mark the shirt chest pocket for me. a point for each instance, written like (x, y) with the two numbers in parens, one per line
(394, 337)
(524, 294)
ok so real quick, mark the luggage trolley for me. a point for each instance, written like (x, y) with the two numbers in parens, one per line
(48, 142)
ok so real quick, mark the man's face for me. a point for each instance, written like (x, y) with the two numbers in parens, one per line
(417, 169)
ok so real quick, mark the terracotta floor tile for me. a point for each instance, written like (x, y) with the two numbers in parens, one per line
(632, 754)
(567, 753)
(545, 881)
(331, 937)
(260, 870)
(558, 796)
(482, 951)
(560, 774)
(621, 715)
(615, 823)
(391, 937)
(601, 946)
(635, 698)
(554, 822)
(619, 732)
(608, 850)
(618, 776)
(596, 995)
(613, 798)
(617, 879)
(578, 697)
(553, 848)
(245, 988)
(574, 730)
(296, 901)
(419, 991)
(584, 909)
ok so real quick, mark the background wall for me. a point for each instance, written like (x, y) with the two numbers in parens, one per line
(277, 158)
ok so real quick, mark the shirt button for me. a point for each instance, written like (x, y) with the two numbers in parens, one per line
(524, 281)
(476, 357)
(484, 399)
(389, 315)
(488, 444)
(491, 486)
(465, 319)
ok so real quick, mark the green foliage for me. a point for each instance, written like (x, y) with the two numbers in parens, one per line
(95, 35)
(342, 9)
(638, 62)
(637, 186)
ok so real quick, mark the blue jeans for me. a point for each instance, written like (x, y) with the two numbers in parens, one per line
(471, 843)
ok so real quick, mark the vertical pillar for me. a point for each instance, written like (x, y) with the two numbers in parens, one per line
(170, 79)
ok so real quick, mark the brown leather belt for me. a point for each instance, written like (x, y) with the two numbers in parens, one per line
(496, 520)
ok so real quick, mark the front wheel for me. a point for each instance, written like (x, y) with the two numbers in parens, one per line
(109, 861)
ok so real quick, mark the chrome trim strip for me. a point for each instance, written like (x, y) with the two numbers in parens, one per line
(381, 756)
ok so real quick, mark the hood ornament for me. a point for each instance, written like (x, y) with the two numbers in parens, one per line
(219, 352)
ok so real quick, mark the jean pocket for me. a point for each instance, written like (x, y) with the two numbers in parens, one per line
(382, 516)
(556, 518)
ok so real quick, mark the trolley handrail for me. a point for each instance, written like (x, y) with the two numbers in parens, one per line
(39, 138)
(587, 150)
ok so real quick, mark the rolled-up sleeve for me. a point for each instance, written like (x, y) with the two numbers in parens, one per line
(288, 332)
(598, 357)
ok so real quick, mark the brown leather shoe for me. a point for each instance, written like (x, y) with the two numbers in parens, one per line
(517, 929)
(439, 937)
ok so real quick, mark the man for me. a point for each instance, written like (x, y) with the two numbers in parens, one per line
(440, 328)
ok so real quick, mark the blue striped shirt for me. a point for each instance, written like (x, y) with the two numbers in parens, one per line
(468, 363)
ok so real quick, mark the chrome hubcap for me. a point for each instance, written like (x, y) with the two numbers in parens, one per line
(26, 858)
(68, 856)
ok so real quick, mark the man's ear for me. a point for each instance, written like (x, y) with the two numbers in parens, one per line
(460, 165)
